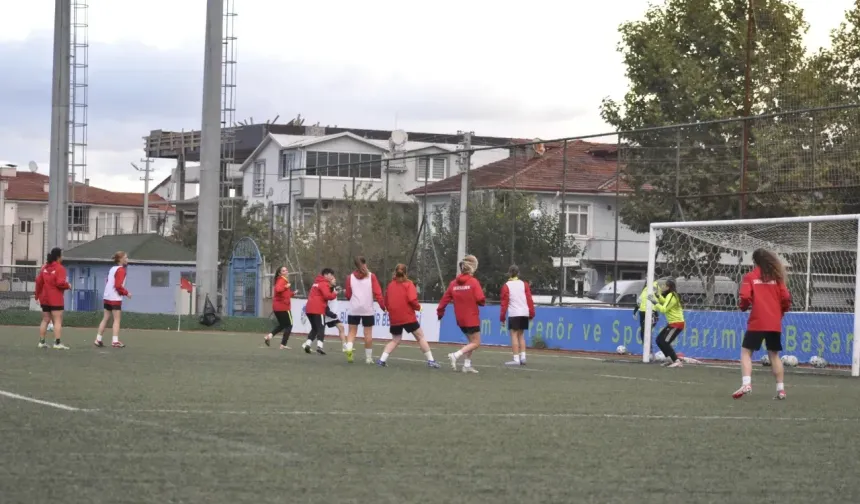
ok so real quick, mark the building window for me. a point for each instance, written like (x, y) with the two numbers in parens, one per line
(260, 178)
(631, 275)
(307, 217)
(343, 165)
(437, 172)
(108, 223)
(289, 162)
(159, 278)
(282, 213)
(26, 226)
(577, 219)
(79, 218)
(154, 224)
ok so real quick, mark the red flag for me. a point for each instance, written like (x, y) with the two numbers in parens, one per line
(186, 285)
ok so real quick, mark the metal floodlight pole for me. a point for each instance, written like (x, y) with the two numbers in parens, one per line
(58, 187)
(462, 235)
(210, 159)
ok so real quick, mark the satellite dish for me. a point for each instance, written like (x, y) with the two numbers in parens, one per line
(539, 147)
(33, 167)
(398, 138)
(270, 192)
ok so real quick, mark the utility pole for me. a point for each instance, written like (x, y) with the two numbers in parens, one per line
(58, 187)
(465, 160)
(146, 180)
(745, 153)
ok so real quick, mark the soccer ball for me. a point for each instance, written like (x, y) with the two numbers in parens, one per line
(621, 350)
(789, 360)
(765, 360)
(535, 214)
(813, 361)
(820, 363)
(659, 357)
(50, 327)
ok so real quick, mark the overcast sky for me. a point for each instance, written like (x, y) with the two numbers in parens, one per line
(441, 67)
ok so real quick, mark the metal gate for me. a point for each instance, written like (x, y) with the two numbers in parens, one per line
(243, 288)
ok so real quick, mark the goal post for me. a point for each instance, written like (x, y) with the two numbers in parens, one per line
(708, 259)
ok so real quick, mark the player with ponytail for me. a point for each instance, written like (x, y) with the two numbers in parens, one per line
(401, 299)
(281, 307)
(51, 284)
(467, 296)
(362, 288)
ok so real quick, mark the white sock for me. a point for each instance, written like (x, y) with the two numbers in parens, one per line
(98, 337)
(319, 344)
(516, 357)
(429, 355)
(780, 387)
(307, 343)
(368, 352)
(348, 346)
(384, 356)
(747, 380)
(116, 339)
(458, 354)
(467, 363)
(523, 356)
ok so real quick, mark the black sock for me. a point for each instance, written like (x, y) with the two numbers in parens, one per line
(57, 341)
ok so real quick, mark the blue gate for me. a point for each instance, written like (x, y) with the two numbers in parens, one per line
(243, 284)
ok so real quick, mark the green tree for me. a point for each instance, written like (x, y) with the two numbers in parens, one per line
(490, 229)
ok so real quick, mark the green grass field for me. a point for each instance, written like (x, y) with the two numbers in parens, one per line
(219, 418)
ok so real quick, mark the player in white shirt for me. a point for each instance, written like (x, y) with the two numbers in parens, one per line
(114, 292)
(362, 288)
(519, 309)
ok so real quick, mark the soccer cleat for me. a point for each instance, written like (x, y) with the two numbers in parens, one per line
(42, 344)
(267, 340)
(307, 348)
(744, 390)
(453, 359)
(469, 369)
(98, 343)
(320, 351)
(349, 356)
(780, 395)
(512, 363)
(285, 347)
(676, 364)
(381, 363)
(433, 364)
(60, 346)
(344, 348)
(117, 344)
(368, 360)
(522, 362)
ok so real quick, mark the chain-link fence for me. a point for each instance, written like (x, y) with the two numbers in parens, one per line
(17, 287)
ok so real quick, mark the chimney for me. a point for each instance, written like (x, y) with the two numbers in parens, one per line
(86, 182)
(47, 187)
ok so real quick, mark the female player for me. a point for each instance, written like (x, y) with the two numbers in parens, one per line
(763, 289)
(401, 299)
(319, 296)
(331, 320)
(669, 304)
(114, 292)
(640, 310)
(362, 288)
(519, 309)
(281, 306)
(51, 283)
(466, 294)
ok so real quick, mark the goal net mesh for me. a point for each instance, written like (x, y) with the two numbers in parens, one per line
(709, 261)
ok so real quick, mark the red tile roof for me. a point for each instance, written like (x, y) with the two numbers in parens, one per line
(28, 186)
(591, 168)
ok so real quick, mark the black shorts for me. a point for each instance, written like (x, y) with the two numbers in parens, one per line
(49, 309)
(518, 323)
(113, 307)
(362, 320)
(468, 331)
(330, 318)
(397, 330)
(772, 340)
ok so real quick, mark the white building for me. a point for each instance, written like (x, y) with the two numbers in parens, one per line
(589, 207)
(322, 168)
(96, 212)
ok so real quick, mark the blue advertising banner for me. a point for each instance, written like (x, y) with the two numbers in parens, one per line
(709, 334)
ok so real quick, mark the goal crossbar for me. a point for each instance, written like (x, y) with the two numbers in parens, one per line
(652, 264)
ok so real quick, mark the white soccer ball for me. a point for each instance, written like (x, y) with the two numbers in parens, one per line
(535, 214)
(765, 360)
(50, 326)
(813, 361)
(621, 350)
(659, 357)
(789, 360)
(821, 363)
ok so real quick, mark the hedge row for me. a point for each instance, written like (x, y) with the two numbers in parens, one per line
(132, 320)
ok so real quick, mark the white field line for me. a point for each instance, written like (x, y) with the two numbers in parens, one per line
(33, 400)
(639, 378)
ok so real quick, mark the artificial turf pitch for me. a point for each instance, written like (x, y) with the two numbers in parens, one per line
(219, 418)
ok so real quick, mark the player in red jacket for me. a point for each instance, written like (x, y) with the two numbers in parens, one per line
(51, 283)
(518, 308)
(467, 296)
(401, 299)
(321, 293)
(114, 292)
(763, 289)
(281, 306)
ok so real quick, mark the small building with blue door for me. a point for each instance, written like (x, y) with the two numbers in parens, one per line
(155, 267)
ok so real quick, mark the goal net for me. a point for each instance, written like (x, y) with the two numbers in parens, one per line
(708, 261)
(17, 286)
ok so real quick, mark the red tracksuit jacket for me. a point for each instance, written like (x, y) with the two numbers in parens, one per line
(321, 293)
(50, 285)
(467, 296)
(401, 298)
(282, 296)
(770, 300)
